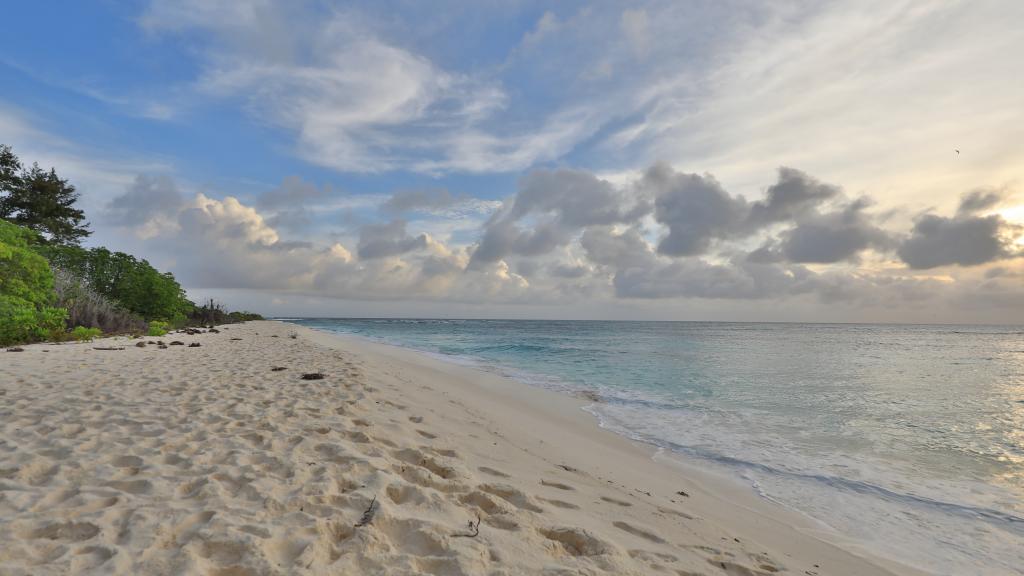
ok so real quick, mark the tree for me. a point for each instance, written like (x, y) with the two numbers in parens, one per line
(26, 290)
(40, 200)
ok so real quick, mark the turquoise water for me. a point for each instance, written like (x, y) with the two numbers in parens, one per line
(907, 439)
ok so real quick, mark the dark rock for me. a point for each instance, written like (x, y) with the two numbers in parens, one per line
(277, 368)
(194, 345)
(177, 343)
(15, 349)
(140, 344)
(313, 376)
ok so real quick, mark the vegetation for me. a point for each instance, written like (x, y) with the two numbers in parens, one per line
(26, 289)
(134, 284)
(49, 283)
(214, 313)
(86, 307)
(83, 334)
(157, 328)
(40, 200)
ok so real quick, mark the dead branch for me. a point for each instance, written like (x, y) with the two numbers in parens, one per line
(368, 514)
(474, 530)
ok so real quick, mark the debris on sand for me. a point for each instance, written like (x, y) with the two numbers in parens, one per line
(313, 376)
(140, 344)
(277, 368)
(177, 343)
(15, 349)
(194, 345)
(108, 348)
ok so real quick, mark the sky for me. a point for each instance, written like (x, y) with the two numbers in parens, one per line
(788, 160)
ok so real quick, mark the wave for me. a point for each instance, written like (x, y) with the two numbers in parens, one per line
(1011, 522)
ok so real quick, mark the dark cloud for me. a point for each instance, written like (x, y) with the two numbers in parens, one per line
(383, 240)
(419, 200)
(560, 203)
(696, 210)
(833, 237)
(628, 249)
(978, 200)
(962, 240)
(794, 195)
(147, 198)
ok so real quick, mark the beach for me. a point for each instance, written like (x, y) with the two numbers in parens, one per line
(221, 459)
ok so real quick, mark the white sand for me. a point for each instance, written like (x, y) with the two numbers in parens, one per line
(204, 461)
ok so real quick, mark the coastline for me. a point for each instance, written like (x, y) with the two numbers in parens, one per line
(230, 467)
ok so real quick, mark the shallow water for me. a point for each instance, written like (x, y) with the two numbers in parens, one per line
(909, 439)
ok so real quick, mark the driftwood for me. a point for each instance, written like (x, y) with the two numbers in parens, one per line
(474, 530)
(368, 514)
(277, 368)
(194, 345)
(313, 376)
(15, 349)
(107, 348)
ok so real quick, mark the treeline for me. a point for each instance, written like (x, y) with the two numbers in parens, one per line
(52, 288)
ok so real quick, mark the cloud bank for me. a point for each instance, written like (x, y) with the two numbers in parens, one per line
(567, 235)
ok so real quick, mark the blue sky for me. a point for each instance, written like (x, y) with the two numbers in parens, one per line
(577, 159)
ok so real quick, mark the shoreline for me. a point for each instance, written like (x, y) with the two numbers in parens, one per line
(219, 459)
(572, 413)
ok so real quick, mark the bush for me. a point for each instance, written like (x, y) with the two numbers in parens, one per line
(88, 308)
(83, 334)
(157, 328)
(26, 289)
(132, 283)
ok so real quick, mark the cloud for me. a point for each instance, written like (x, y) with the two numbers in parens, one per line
(833, 237)
(432, 200)
(695, 209)
(383, 240)
(962, 240)
(146, 205)
(978, 201)
(562, 202)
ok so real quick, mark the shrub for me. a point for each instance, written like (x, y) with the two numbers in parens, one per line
(157, 328)
(83, 334)
(26, 289)
(88, 308)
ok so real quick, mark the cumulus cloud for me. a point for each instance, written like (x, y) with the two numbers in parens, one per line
(567, 236)
(561, 202)
(695, 209)
(962, 240)
(383, 240)
(834, 236)
(145, 205)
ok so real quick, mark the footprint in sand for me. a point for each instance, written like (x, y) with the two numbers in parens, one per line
(617, 502)
(556, 485)
(493, 472)
(560, 503)
(512, 495)
(642, 533)
(577, 541)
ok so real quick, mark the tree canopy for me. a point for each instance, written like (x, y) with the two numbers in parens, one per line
(40, 200)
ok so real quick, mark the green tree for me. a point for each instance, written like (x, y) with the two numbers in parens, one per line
(40, 200)
(26, 289)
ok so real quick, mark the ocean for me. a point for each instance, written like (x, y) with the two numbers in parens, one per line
(908, 440)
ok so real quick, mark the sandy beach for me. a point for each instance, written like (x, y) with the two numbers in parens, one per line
(220, 459)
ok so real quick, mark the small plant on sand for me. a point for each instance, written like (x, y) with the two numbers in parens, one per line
(83, 334)
(157, 328)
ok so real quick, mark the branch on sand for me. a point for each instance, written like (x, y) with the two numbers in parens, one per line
(474, 530)
(368, 514)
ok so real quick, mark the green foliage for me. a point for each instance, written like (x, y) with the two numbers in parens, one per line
(132, 283)
(40, 200)
(157, 328)
(26, 290)
(86, 307)
(83, 334)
